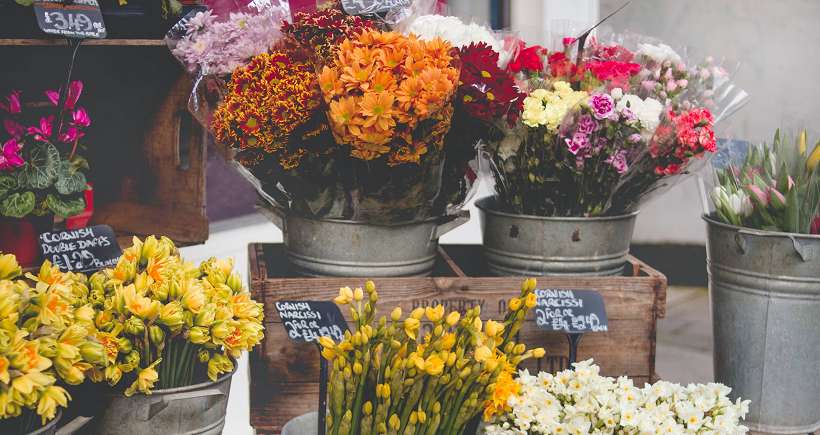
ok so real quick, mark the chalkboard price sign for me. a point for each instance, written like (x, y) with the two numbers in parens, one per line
(570, 311)
(307, 321)
(78, 19)
(83, 250)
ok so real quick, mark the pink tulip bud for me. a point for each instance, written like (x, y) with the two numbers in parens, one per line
(777, 199)
(791, 182)
(815, 225)
(758, 194)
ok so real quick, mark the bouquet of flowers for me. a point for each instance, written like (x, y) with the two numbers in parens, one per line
(388, 377)
(47, 341)
(581, 401)
(41, 171)
(775, 187)
(167, 323)
(596, 136)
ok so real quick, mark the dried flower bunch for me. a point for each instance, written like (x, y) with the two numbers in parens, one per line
(167, 321)
(388, 377)
(47, 339)
(390, 95)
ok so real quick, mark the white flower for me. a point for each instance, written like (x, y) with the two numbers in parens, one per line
(453, 30)
(647, 111)
(659, 53)
(617, 93)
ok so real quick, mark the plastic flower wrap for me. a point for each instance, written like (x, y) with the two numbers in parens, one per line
(600, 136)
(47, 341)
(41, 169)
(388, 377)
(770, 187)
(167, 323)
(581, 401)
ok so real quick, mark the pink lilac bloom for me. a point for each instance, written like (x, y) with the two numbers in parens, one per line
(618, 161)
(602, 105)
(10, 157)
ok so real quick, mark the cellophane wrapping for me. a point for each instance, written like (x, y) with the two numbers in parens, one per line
(325, 131)
(601, 133)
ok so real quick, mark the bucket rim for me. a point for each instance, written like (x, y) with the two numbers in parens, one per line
(186, 388)
(429, 220)
(48, 426)
(487, 203)
(756, 232)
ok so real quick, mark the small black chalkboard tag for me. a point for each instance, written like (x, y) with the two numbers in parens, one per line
(82, 250)
(308, 320)
(570, 311)
(373, 7)
(77, 19)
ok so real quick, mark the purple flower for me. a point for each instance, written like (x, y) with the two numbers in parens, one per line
(634, 138)
(578, 142)
(586, 124)
(628, 114)
(10, 155)
(602, 105)
(618, 161)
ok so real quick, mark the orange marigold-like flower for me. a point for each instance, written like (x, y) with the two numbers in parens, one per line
(267, 101)
(382, 88)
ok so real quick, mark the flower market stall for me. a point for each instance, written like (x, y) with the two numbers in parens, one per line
(365, 129)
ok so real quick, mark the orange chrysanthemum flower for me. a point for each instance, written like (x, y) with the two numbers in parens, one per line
(381, 86)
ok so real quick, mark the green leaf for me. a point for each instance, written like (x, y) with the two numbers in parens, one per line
(24, 2)
(65, 207)
(69, 180)
(791, 219)
(8, 184)
(18, 205)
(40, 170)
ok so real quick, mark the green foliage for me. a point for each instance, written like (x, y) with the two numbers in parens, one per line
(18, 205)
(42, 163)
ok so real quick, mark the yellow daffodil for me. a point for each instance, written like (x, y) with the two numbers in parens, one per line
(141, 306)
(50, 399)
(9, 268)
(434, 314)
(345, 296)
(453, 318)
(411, 325)
(146, 378)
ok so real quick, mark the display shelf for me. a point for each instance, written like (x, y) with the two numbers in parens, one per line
(36, 42)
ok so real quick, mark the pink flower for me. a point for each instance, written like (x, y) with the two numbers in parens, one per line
(815, 225)
(81, 118)
(760, 195)
(578, 142)
(43, 132)
(70, 135)
(602, 105)
(10, 157)
(618, 161)
(75, 89)
(778, 199)
(12, 104)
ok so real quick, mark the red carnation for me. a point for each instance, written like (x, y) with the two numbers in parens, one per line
(527, 58)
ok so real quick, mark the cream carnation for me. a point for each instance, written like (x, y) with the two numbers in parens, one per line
(453, 30)
(660, 53)
(647, 111)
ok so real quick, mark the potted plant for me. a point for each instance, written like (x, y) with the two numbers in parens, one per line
(173, 331)
(594, 138)
(48, 343)
(42, 174)
(388, 377)
(581, 401)
(764, 281)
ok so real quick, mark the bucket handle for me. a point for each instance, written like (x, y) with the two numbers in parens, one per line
(159, 403)
(450, 223)
(274, 213)
(805, 253)
(74, 425)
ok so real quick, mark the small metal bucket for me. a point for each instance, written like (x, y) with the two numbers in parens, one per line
(335, 247)
(765, 300)
(305, 424)
(517, 245)
(193, 410)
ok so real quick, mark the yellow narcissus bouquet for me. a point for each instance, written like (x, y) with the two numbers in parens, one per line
(166, 322)
(388, 377)
(47, 340)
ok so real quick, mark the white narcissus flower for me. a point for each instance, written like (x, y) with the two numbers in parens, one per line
(454, 30)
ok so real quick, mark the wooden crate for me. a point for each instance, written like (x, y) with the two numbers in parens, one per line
(284, 374)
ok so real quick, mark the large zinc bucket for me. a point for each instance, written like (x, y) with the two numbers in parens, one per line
(765, 295)
(307, 424)
(15, 425)
(335, 247)
(193, 410)
(534, 245)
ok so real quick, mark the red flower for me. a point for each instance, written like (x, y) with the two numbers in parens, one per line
(616, 53)
(527, 58)
(486, 91)
(616, 73)
(815, 225)
(562, 67)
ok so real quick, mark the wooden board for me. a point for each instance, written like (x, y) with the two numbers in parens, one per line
(284, 374)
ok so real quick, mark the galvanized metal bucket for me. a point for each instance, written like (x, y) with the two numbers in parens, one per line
(535, 245)
(194, 410)
(335, 247)
(765, 295)
(307, 424)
